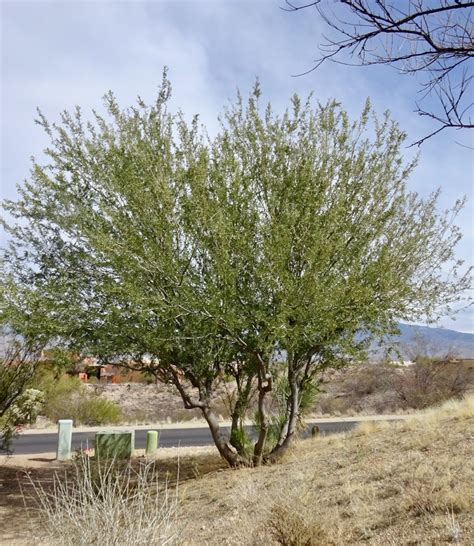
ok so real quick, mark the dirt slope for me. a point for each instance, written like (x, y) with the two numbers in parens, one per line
(388, 484)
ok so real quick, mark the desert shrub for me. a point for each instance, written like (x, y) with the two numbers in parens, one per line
(94, 410)
(383, 402)
(60, 395)
(332, 404)
(386, 388)
(23, 410)
(369, 379)
(67, 398)
(27, 406)
(108, 503)
(17, 401)
(428, 382)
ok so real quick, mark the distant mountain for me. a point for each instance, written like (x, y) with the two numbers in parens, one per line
(434, 341)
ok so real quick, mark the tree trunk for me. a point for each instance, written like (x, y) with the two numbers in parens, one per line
(265, 384)
(226, 451)
(289, 429)
(262, 435)
(237, 432)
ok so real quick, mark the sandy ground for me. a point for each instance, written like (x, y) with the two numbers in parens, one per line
(48, 460)
(18, 517)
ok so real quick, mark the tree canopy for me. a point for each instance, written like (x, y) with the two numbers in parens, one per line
(260, 255)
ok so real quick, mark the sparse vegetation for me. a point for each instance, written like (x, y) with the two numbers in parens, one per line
(374, 388)
(430, 382)
(383, 484)
(109, 503)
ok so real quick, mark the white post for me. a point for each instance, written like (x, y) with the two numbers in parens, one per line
(64, 439)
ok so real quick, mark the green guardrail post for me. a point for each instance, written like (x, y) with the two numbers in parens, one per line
(151, 442)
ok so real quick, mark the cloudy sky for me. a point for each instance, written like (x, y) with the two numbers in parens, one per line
(58, 54)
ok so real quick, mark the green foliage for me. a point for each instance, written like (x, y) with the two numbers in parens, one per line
(60, 395)
(67, 398)
(18, 402)
(292, 233)
(277, 411)
(60, 361)
(98, 411)
(240, 438)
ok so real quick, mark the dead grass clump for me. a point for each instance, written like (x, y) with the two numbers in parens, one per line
(290, 528)
(369, 427)
(108, 504)
(432, 491)
(455, 409)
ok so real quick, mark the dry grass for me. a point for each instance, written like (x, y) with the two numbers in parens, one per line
(388, 484)
(109, 503)
(407, 482)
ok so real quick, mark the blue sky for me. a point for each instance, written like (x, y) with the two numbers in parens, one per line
(58, 54)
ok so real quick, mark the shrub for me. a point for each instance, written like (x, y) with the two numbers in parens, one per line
(94, 410)
(332, 404)
(430, 382)
(17, 367)
(26, 407)
(290, 528)
(60, 395)
(68, 399)
(369, 379)
(108, 503)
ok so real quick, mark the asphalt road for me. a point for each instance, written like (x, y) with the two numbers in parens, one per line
(28, 444)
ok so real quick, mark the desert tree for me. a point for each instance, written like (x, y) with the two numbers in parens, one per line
(431, 39)
(265, 253)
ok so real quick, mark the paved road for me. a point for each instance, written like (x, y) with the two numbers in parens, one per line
(27, 444)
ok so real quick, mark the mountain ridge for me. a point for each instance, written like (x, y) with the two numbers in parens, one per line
(433, 341)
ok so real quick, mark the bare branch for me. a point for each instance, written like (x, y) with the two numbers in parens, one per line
(435, 40)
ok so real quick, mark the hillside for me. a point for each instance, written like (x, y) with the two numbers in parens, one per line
(431, 341)
(388, 484)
